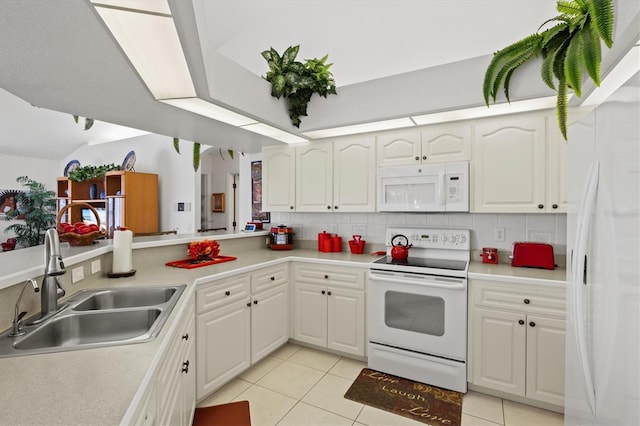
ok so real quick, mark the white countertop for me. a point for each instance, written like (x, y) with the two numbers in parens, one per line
(96, 386)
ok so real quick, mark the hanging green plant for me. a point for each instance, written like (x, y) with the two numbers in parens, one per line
(570, 46)
(297, 81)
(88, 122)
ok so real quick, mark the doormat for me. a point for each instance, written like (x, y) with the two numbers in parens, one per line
(231, 414)
(418, 401)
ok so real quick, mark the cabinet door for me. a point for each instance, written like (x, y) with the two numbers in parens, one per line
(314, 177)
(545, 359)
(345, 330)
(324, 275)
(189, 377)
(310, 314)
(399, 148)
(446, 142)
(499, 350)
(269, 321)
(278, 179)
(557, 150)
(223, 345)
(354, 174)
(509, 163)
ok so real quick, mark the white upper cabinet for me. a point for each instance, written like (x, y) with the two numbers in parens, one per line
(446, 142)
(336, 176)
(399, 148)
(354, 174)
(439, 143)
(278, 179)
(508, 170)
(314, 177)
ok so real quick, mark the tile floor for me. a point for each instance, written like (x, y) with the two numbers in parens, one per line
(298, 386)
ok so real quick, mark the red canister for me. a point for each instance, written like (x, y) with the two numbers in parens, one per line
(322, 238)
(336, 243)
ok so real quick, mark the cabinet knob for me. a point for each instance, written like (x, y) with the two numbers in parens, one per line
(335, 207)
(521, 322)
(324, 292)
(255, 302)
(227, 293)
(526, 301)
(329, 293)
(290, 207)
(185, 367)
(185, 336)
(326, 277)
(249, 304)
(328, 207)
(555, 206)
(273, 278)
(424, 157)
(417, 158)
(541, 206)
(532, 324)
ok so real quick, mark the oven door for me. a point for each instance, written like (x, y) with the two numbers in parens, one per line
(421, 313)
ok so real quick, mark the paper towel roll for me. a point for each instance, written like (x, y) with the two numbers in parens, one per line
(122, 257)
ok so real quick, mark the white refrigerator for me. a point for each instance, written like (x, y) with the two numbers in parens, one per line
(602, 379)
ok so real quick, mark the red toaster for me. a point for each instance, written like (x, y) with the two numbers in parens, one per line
(533, 255)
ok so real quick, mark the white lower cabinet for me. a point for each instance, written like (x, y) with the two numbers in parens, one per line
(176, 379)
(517, 336)
(325, 313)
(237, 327)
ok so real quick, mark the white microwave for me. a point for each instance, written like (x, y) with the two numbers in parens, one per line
(426, 188)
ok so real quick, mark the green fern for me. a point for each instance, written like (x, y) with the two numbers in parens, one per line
(570, 46)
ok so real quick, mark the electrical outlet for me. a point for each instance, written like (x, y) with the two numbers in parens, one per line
(77, 274)
(498, 234)
(95, 266)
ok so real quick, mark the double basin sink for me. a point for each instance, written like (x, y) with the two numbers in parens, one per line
(97, 318)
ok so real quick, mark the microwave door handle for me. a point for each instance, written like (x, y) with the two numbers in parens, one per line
(441, 189)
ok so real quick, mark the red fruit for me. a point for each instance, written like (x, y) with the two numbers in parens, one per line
(83, 230)
(77, 224)
(93, 227)
(68, 228)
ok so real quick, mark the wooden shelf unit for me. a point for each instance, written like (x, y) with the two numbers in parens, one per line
(129, 199)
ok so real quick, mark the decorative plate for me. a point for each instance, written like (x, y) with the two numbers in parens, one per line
(71, 165)
(129, 161)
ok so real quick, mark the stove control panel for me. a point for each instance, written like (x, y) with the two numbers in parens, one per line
(451, 239)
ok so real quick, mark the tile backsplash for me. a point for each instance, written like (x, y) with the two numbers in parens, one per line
(547, 228)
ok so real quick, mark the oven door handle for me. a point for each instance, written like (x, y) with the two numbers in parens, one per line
(458, 286)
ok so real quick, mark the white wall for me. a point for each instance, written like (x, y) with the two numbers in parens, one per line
(43, 171)
(217, 167)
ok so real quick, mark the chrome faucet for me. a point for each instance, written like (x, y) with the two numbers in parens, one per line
(17, 318)
(53, 266)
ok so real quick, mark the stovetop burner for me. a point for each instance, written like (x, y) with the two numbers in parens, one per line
(451, 265)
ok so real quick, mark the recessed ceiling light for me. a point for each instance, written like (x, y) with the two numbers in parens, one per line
(272, 132)
(360, 128)
(207, 109)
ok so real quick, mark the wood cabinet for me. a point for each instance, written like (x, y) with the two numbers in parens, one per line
(437, 143)
(278, 179)
(121, 198)
(516, 340)
(132, 201)
(240, 320)
(329, 305)
(176, 378)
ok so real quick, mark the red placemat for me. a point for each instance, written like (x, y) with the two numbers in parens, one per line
(190, 263)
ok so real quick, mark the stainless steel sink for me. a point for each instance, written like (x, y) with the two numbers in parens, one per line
(126, 298)
(97, 318)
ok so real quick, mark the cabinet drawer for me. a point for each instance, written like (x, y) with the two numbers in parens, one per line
(521, 298)
(269, 278)
(221, 292)
(329, 275)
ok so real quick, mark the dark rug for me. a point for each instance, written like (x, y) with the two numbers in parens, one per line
(418, 401)
(231, 414)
